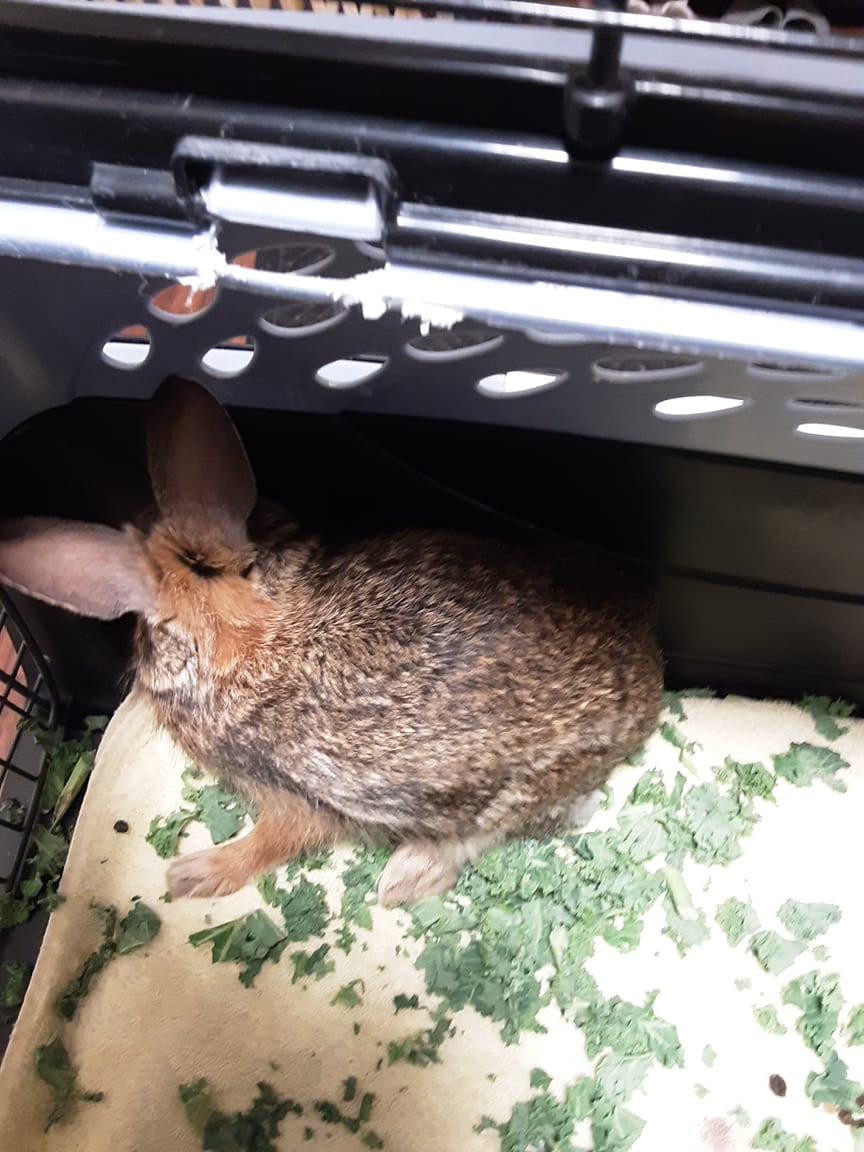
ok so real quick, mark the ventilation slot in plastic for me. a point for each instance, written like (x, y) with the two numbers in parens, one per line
(688, 407)
(457, 343)
(303, 318)
(350, 373)
(230, 358)
(128, 349)
(505, 385)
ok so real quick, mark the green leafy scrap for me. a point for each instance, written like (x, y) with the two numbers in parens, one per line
(349, 1089)
(314, 964)
(832, 1085)
(164, 832)
(820, 1001)
(304, 907)
(55, 1069)
(803, 764)
(630, 1030)
(673, 703)
(255, 1130)
(685, 932)
(137, 929)
(750, 780)
(807, 921)
(67, 765)
(674, 736)
(359, 881)
(197, 1103)
(16, 977)
(774, 952)
(79, 986)
(249, 941)
(541, 1122)
(348, 995)
(41, 876)
(736, 919)
(401, 1001)
(539, 1079)
(826, 712)
(767, 1018)
(855, 1026)
(221, 813)
(716, 822)
(331, 1113)
(773, 1137)
(420, 1048)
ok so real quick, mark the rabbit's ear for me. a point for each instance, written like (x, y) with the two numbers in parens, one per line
(85, 568)
(197, 462)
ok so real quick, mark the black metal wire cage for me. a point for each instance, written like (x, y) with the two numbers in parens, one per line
(26, 694)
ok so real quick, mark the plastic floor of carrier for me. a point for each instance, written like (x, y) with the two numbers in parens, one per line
(598, 273)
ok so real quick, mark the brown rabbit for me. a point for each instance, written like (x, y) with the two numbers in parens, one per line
(441, 691)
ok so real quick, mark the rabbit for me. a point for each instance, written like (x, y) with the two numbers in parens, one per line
(435, 690)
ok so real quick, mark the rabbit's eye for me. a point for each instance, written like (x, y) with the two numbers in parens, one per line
(248, 570)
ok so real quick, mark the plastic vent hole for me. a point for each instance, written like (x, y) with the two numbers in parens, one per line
(178, 303)
(549, 336)
(825, 402)
(128, 349)
(230, 358)
(458, 343)
(775, 370)
(303, 318)
(686, 407)
(831, 431)
(306, 258)
(645, 367)
(503, 385)
(350, 373)
(371, 251)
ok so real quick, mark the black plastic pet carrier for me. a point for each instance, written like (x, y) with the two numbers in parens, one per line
(510, 264)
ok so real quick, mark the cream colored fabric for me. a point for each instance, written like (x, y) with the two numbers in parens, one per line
(167, 1015)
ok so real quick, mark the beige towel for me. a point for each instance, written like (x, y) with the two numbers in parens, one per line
(167, 1015)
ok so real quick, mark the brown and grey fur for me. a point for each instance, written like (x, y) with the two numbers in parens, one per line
(439, 691)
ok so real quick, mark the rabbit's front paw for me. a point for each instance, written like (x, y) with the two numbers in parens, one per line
(207, 873)
(418, 870)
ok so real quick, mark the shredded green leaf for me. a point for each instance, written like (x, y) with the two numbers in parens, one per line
(768, 1019)
(420, 1048)
(311, 964)
(55, 1069)
(16, 978)
(165, 832)
(348, 995)
(249, 941)
(773, 1137)
(135, 930)
(803, 764)
(807, 921)
(826, 712)
(304, 907)
(79, 986)
(737, 920)
(255, 1130)
(773, 952)
(401, 1001)
(855, 1026)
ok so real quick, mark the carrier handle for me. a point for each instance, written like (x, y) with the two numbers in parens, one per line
(335, 194)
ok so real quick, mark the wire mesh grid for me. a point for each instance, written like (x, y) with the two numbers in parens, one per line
(26, 693)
